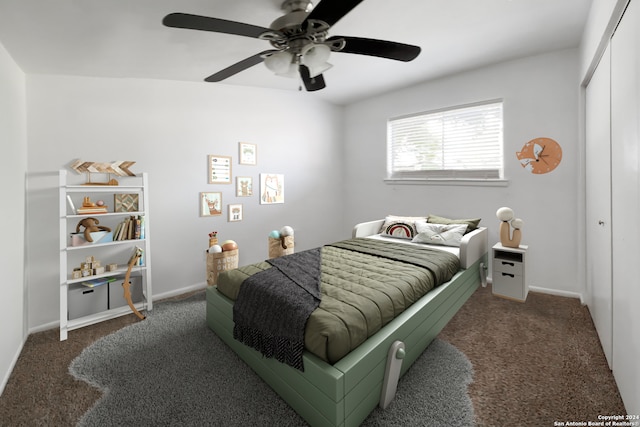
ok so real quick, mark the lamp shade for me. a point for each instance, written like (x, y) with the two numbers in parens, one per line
(291, 72)
(279, 62)
(315, 57)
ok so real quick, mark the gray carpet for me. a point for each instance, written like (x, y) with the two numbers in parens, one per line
(170, 369)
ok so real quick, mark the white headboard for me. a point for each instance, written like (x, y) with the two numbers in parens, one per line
(474, 245)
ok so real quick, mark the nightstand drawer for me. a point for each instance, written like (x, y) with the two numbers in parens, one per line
(508, 285)
(507, 266)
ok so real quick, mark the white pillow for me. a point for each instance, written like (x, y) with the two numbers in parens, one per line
(402, 227)
(439, 234)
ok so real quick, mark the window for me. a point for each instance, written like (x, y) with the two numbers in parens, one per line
(463, 143)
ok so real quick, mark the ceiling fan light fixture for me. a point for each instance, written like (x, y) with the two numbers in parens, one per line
(316, 70)
(292, 72)
(279, 63)
(314, 54)
(315, 57)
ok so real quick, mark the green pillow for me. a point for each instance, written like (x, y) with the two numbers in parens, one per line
(472, 224)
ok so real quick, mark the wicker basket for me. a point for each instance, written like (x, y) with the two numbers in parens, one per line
(280, 247)
(219, 262)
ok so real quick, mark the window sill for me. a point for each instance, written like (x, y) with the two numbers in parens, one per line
(449, 181)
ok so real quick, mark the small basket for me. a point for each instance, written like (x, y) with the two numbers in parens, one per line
(219, 262)
(280, 247)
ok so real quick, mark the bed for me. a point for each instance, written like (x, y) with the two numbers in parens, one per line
(345, 392)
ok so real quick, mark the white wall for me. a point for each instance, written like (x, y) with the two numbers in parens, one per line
(601, 22)
(13, 152)
(540, 100)
(169, 129)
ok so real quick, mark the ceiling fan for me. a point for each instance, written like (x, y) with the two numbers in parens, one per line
(299, 40)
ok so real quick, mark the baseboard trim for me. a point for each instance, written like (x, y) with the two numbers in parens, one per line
(181, 291)
(551, 292)
(7, 375)
(44, 327)
(173, 293)
(557, 292)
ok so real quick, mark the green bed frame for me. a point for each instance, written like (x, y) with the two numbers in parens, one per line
(345, 393)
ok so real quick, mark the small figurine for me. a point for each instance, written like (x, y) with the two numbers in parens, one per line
(506, 216)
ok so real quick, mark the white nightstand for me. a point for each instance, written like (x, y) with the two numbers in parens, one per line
(510, 272)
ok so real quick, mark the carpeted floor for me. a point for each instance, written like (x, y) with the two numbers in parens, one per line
(534, 363)
(173, 370)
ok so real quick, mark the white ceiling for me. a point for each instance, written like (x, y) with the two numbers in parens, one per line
(126, 39)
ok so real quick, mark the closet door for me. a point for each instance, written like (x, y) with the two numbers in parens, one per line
(625, 138)
(598, 199)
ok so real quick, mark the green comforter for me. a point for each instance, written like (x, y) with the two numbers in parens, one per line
(365, 283)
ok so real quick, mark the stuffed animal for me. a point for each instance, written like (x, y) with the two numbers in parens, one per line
(90, 225)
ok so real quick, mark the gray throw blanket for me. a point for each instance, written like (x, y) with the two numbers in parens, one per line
(291, 288)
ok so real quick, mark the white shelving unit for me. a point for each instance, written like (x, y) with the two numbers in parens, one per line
(510, 272)
(105, 301)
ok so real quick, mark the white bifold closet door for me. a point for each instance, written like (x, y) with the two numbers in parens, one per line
(625, 179)
(598, 200)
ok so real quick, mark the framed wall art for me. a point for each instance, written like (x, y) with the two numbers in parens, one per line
(219, 169)
(210, 203)
(244, 186)
(125, 202)
(235, 212)
(248, 153)
(271, 188)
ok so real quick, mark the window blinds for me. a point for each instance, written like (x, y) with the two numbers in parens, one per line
(460, 143)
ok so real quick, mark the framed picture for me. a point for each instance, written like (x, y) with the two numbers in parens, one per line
(248, 153)
(235, 212)
(219, 169)
(210, 204)
(125, 203)
(271, 188)
(244, 186)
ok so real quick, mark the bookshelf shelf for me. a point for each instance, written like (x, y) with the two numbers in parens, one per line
(99, 245)
(120, 272)
(102, 188)
(103, 215)
(81, 305)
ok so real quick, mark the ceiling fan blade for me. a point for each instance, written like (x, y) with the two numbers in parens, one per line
(238, 66)
(204, 23)
(311, 83)
(381, 48)
(331, 11)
